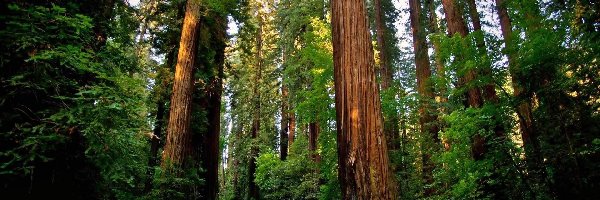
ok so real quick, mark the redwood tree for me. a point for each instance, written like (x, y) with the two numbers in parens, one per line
(386, 73)
(457, 25)
(362, 153)
(425, 89)
(180, 147)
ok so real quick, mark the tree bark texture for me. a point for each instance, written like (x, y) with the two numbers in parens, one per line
(424, 88)
(362, 153)
(179, 146)
(386, 72)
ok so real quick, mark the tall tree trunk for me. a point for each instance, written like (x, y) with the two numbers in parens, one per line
(489, 89)
(253, 188)
(155, 144)
(426, 115)
(524, 112)
(386, 73)
(285, 120)
(179, 147)
(440, 68)
(234, 149)
(457, 25)
(283, 134)
(210, 102)
(363, 160)
(313, 137)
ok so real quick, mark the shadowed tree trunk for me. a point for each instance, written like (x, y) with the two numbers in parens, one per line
(524, 112)
(180, 147)
(440, 68)
(210, 102)
(426, 116)
(285, 120)
(362, 153)
(489, 89)
(101, 12)
(386, 73)
(313, 137)
(292, 128)
(252, 187)
(457, 25)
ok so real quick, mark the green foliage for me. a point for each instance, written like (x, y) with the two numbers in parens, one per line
(464, 176)
(176, 184)
(294, 178)
(67, 106)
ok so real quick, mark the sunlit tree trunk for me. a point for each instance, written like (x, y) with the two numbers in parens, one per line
(362, 153)
(427, 116)
(180, 147)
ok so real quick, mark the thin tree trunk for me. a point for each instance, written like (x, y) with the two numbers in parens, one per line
(457, 25)
(179, 146)
(285, 120)
(489, 90)
(386, 73)
(524, 112)
(210, 102)
(234, 150)
(362, 153)
(313, 136)
(292, 128)
(426, 117)
(252, 187)
(440, 68)
(155, 144)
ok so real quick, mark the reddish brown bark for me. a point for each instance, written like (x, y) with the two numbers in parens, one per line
(386, 73)
(425, 90)
(457, 25)
(362, 153)
(313, 137)
(179, 147)
(285, 121)
(528, 134)
(489, 89)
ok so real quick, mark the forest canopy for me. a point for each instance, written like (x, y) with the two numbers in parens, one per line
(300, 99)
